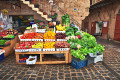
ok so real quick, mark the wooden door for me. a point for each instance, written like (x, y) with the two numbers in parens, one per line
(93, 28)
(117, 28)
(105, 29)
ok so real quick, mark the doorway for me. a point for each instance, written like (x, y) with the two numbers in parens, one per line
(99, 25)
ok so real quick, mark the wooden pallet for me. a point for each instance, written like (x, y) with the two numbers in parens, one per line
(67, 55)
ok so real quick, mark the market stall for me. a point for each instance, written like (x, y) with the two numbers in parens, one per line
(8, 36)
(66, 43)
(8, 40)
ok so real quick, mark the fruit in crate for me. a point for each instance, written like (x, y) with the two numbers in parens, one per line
(60, 35)
(60, 27)
(28, 36)
(49, 45)
(62, 45)
(37, 45)
(11, 31)
(38, 36)
(9, 36)
(32, 36)
(25, 45)
(49, 35)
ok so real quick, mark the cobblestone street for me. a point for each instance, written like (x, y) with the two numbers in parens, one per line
(9, 70)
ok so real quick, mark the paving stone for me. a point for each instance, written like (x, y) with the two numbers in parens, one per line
(12, 78)
(24, 78)
(74, 78)
(67, 75)
(39, 78)
(31, 78)
(61, 77)
(7, 77)
(10, 70)
(53, 78)
(19, 77)
(67, 78)
(73, 74)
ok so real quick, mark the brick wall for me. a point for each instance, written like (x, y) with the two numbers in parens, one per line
(25, 10)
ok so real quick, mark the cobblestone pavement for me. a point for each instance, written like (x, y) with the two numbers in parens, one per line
(111, 54)
(9, 70)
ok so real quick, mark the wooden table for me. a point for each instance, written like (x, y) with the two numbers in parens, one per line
(67, 55)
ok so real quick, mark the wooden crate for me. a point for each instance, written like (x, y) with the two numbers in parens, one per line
(41, 53)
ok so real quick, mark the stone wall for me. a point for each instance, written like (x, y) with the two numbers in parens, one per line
(107, 13)
(81, 6)
(25, 10)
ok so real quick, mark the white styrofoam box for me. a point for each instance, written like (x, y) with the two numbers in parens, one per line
(31, 62)
(37, 39)
(34, 49)
(61, 40)
(92, 55)
(24, 39)
(21, 50)
(41, 30)
(62, 49)
(98, 58)
(49, 39)
(60, 31)
(2, 52)
(52, 49)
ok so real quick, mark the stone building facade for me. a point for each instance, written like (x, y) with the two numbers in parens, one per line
(78, 9)
(107, 12)
(24, 10)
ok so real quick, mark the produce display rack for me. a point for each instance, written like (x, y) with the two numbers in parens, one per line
(67, 55)
(9, 48)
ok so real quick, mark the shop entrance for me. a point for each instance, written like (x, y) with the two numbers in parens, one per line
(99, 25)
(20, 22)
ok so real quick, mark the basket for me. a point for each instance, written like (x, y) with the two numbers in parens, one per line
(24, 39)
(52, 49)
(78, 64)
(62, 49)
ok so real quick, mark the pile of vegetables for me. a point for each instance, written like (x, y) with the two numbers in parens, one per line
(66, 20)
(82, 43)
